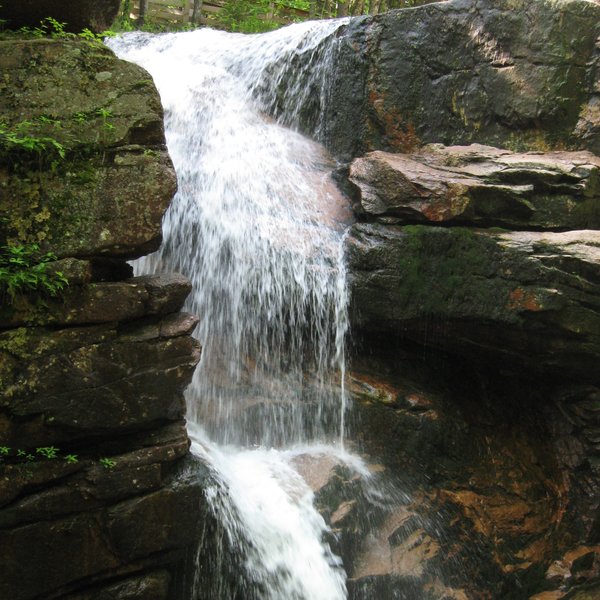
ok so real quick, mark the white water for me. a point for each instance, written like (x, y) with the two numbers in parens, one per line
(257, 226)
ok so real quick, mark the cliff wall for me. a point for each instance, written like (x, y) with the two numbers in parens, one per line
(97, 499)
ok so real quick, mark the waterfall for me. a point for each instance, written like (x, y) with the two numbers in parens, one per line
(257, 225)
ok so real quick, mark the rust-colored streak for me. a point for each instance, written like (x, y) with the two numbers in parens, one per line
(520, 299)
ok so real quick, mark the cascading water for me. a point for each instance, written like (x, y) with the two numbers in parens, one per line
(257, 226)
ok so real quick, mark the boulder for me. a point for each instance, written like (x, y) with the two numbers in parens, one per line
(96, 15)
(481, 186)
(104, 180)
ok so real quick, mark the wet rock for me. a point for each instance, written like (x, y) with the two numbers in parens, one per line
(83, 549)
(528, 298)
(517, 74)
(480, 185)
(151, 586)
(74, 382)
(481, 506)
(103, 302)
(96, 15)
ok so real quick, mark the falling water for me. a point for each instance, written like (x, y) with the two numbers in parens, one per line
(257, 226)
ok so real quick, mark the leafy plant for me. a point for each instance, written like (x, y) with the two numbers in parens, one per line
(25, 455)
(108, 463)
(21, 455)
(23, 270)
(47, 451)
(18, 138)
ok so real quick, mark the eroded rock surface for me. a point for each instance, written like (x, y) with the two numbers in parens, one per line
(476, 499)
(512, 73)
(526, 298)
(106, 197)
(480, 185)
(474, 294)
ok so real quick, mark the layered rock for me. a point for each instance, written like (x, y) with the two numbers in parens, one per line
(479, 185)
(498, 429)
(530, 297)
(96, 488)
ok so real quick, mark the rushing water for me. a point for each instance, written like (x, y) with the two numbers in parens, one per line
(257, 225)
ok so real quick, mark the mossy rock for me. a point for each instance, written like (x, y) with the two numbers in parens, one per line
(106, 190)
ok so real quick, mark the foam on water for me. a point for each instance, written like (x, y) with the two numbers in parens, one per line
(257, 225)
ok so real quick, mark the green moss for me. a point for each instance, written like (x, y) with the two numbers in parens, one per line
(17, 343)
(449, 272)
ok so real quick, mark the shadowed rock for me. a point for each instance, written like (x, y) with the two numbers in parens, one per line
(96, 15)
(523, 297)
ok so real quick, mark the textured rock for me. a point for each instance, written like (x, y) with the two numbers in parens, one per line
(79, 549)
(99, 497)
(108, 195)
(476, 479)
(505, 72)
(480, 185)
(96, 15)
(101, 302)
(66, 384)
(523, 297)
(152, 586)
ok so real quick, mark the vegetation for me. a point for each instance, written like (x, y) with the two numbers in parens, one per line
(20, 455)
(23, 267)
(24, 270)
(252, 16)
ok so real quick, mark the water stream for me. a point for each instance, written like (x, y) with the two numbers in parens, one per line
(257, 225)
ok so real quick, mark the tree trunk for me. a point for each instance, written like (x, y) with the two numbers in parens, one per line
(374, 7)
(126, 10)
(342, 9)
(143, 11)
(197, 12)
(358, 8)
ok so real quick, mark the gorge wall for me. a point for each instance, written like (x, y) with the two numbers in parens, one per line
(97, 499)
(522, 74)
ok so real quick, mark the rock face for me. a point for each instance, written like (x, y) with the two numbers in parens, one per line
(107, 196)
(530, 297)
(511, 73)
(480, 507)
(97, 492)
(480, 185)
(498, 430)
(96, 15)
